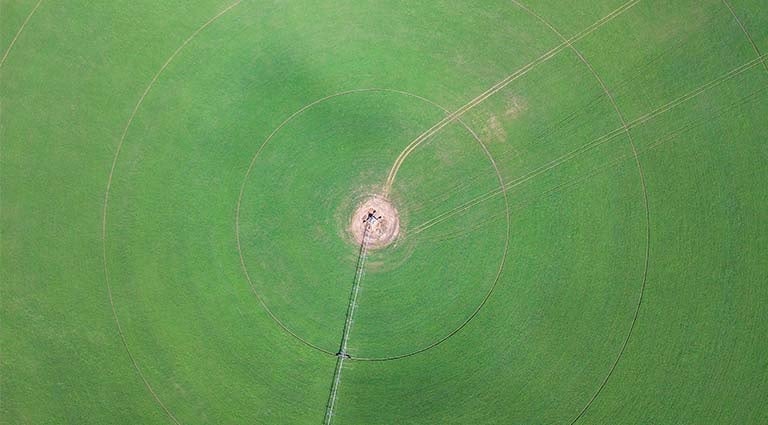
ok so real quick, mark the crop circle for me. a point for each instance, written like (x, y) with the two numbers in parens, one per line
(372, 212)
(321, 190)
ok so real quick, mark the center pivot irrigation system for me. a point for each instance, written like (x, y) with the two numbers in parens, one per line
(342, 354)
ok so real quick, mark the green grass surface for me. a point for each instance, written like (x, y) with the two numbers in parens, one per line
(620, 280)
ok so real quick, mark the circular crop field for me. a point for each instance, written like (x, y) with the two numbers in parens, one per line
(496, 212)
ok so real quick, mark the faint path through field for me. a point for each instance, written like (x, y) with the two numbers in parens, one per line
(495, 89)
(644, 187)
(106, 203)
(746, 33)
(18, 33)
(611, 135)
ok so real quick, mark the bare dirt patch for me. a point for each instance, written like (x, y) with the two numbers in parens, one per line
(515, 106)
(494, 130)
(384, 226)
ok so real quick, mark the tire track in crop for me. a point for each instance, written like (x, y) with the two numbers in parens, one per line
(644, 187)
(746, 33)
(135, 110)
(517, 206)
(649, 116)
(18, 33)
(495, 89)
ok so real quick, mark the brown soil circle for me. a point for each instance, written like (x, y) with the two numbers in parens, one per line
(383, 219)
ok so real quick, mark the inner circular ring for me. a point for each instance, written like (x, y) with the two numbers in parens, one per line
(440, 340)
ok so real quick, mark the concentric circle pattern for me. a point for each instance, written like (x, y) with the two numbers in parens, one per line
(293, 220)
(384, 213)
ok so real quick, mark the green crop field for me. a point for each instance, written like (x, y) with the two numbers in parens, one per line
(575, 194)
